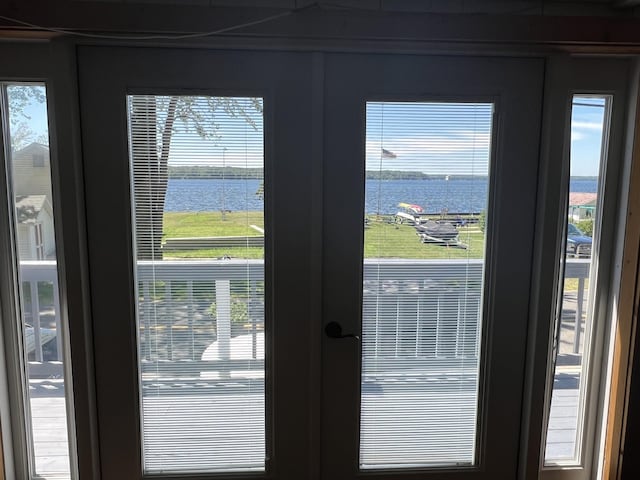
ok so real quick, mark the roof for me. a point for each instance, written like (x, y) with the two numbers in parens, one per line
(28, 207)
(33, 146)
(582, 199)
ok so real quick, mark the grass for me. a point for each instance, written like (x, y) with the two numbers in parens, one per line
(383, 238)
(232, 252)
(571, 284)
(211, 224)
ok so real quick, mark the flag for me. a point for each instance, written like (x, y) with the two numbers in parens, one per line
(388, 154)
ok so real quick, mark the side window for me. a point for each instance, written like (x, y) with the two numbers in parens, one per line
(34, 332)
(575, 340)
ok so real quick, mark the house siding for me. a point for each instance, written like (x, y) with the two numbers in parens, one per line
(29, 179)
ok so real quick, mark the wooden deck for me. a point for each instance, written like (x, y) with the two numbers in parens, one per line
(48, 406)
(220, 409)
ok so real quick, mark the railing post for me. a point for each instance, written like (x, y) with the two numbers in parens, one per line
(438, 319)
(460, 318)
(168, 317)
(146, 319)
(418, 318)
(58, 322)
(578, 324)
(190, 313)
(223, 319)
(254, 314)
(35, 320)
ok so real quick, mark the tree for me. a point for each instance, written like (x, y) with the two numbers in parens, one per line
(154, 120)
(22, 135)
(20, 97)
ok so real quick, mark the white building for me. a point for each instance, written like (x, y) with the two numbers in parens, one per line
(32, 191)
(34, 217)
(582, 205)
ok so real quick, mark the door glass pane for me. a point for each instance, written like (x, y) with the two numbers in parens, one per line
(572, 349)
(197, 180)
(427, 185)
(29, 164)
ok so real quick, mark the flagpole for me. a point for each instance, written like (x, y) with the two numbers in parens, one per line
(383, 154)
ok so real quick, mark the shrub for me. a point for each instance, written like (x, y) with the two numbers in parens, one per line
(482, 221)
(239, 310)
(586, 226)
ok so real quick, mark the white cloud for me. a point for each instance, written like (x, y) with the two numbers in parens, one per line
(577, 124)
(432, 144)
(581, 130)
(576, 136)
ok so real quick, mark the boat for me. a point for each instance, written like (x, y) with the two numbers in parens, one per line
(408, 212)
(437, 232)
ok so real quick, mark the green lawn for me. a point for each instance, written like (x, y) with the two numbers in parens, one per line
(383, 239)
(211, 224)
(232, 252)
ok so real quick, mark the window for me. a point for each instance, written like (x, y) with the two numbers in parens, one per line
(575, 341)
(426, 203)
(198, 194)
(38, 160)
(41, 421)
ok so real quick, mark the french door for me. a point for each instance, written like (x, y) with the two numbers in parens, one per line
(440, 297)
(309, 265)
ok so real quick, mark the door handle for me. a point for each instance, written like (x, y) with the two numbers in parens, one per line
(334, 330)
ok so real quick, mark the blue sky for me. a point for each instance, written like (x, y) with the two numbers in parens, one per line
(30, 123)
(435, 138)
(455, 138)
(38, 117)
(587, 119)
(235, 142)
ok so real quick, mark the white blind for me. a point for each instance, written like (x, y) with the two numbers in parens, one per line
(426, 198)
(197, 171)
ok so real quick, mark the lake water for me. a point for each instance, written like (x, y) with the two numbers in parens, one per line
(456, 195)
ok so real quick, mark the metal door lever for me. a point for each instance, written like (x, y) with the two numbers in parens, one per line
(334, 330)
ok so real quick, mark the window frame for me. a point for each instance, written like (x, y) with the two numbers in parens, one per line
(567, 77)
(24, 64)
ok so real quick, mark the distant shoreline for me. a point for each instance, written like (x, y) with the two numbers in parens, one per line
(194, 172)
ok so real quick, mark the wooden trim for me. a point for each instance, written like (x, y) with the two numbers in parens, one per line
(625, 330)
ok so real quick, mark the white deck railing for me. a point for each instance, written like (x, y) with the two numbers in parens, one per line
(411, 308)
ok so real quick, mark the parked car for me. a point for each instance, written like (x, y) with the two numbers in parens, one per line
(578, 244)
